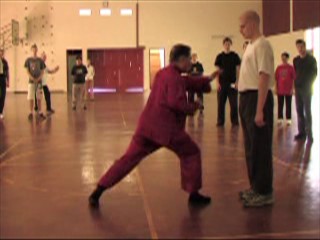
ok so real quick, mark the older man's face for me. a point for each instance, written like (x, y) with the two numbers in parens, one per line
(246, 28)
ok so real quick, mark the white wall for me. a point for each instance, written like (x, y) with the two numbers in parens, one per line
(56, 26)
(197, 23)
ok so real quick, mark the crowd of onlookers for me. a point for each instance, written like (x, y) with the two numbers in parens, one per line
(290, 79)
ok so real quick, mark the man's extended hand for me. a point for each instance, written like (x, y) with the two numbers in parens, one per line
(215, 74)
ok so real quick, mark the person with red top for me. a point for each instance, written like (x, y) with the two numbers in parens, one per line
(285, 76)
(162, 124)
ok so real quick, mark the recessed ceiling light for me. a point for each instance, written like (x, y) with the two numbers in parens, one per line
(105, 12)
(126, 12)
(85, 12)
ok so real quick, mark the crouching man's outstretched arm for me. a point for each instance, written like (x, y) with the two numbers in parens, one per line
(200, 84)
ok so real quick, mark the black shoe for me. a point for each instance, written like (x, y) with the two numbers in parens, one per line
(94, 197)
(93, 201)
(51, 111)
(299, 137)
(30, 116)
(197, 199)
(235, 125)
(219, 124)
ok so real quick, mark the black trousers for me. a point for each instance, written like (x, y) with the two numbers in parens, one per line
(303, 106)
(191, 96)
(3, 92)
(232, 95)
(258, 142)
(47, 97)
(281, 100)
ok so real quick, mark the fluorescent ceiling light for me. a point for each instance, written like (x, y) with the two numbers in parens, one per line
(85, 12)
(105, 12)
(126, 12)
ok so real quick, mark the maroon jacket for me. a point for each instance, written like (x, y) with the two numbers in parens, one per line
(164, 115)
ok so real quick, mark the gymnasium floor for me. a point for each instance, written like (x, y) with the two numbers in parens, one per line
(48, 169)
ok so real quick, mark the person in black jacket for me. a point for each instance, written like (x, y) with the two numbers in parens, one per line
(196, 70)
(229, 63)
(4, 81)
(305, 66)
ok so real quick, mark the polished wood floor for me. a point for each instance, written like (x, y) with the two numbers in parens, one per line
(48, 169)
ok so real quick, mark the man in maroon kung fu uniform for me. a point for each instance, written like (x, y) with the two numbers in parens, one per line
(162, 124)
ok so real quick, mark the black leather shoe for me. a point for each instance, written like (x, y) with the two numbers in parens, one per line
(199, 200)
(93, 202)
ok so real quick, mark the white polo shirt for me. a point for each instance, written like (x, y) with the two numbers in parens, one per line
(258, 57)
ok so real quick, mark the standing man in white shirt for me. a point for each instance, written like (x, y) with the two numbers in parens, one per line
(89, 80)
(256, 111)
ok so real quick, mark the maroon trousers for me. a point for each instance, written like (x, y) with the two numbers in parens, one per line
(140, 147)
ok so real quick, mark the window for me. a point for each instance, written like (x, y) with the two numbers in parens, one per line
(126, 12)
(105, 12)
(85, 12)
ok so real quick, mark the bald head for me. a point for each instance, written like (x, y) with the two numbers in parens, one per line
(250, 24)
(252, 16)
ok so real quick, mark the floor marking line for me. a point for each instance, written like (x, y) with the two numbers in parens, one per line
(2, 155)
(33, 151)
(122, 115)
(288, 165)
(279, 234)
(123, 120)
(146, 206)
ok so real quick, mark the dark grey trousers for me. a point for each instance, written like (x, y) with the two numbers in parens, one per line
(258, 141)
(303, 106)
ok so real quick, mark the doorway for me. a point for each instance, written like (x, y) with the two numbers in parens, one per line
(71, 61)
(157, 62)
(118, 70)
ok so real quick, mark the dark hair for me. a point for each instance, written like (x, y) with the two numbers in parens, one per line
(179, 50)
(34, 46)
(285, 54)
(227, 39)
(300, 41)
(79, 58)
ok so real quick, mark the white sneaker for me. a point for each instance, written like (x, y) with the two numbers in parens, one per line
(280, 121)
(289, 122)
(1, 116)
